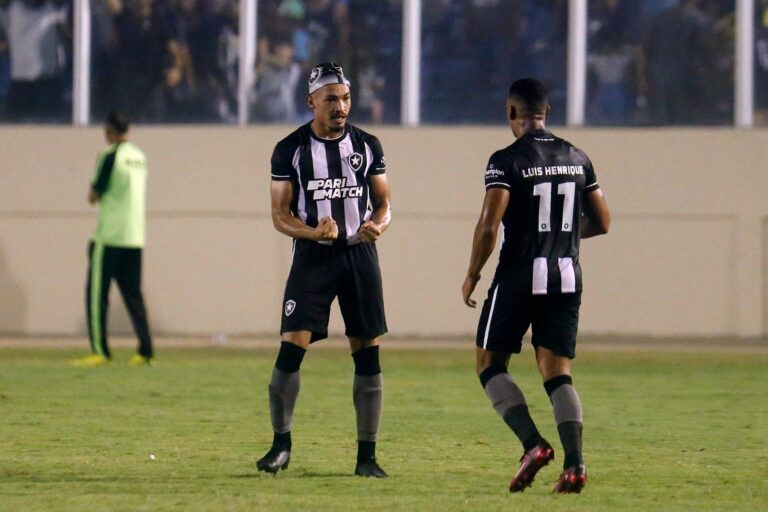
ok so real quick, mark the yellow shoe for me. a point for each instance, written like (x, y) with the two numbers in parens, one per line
(140, 360)
(90, 360)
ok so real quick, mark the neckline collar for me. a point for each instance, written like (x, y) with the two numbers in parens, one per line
(331, 141)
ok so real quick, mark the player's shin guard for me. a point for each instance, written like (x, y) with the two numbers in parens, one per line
(367, 395)
(284, 389)
(509, 402)
(568, 416)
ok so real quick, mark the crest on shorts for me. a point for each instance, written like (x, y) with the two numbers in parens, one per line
(290, 307)
(315, 74)
(355, 161)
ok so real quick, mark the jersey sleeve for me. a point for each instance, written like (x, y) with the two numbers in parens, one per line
(378, 162)
(591, 182)
(497, 173)
(105, 164)
(282, 164)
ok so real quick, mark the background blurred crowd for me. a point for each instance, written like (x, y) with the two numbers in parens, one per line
(364, 36)
(650, 62)
(35, 59)
(661, 62)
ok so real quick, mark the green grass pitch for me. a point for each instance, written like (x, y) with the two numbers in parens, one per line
(664, 431)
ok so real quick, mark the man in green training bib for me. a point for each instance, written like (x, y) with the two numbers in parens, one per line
(119, 187)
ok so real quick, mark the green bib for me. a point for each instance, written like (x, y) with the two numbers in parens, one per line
(122, 200)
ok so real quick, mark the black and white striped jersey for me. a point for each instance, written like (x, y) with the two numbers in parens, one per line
(330, 177)
(547, 178)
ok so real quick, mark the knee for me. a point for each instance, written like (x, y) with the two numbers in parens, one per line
(358, 344)
(487, 359)
(482, 366)
(551, 365)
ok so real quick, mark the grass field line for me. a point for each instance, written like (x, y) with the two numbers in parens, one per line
(600, 343)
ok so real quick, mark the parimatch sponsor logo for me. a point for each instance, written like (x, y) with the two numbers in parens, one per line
(333, 189)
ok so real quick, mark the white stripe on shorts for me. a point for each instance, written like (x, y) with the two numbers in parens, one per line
(490, 316)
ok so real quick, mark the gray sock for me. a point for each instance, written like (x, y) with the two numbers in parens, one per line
(508, 400)
(566, 404)
(504, 393)
(283, 391)
(367, 395)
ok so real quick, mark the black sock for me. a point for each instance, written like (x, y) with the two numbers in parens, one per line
(570, 436)
(367, 361)
(519, 420)
(289, 357)
(282, 440)
(366, 450)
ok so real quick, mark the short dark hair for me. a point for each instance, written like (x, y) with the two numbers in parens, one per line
(531, 92)
(118, 121)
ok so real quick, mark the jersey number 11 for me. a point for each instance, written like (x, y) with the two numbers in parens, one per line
(544, 191)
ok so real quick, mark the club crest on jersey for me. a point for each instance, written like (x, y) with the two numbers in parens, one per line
(290, 307)
(315, 74)
(355, 161)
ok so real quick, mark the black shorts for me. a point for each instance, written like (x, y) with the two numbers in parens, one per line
(319, 274)
(507, 314)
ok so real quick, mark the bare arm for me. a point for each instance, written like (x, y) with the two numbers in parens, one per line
(288, 224)
(484, 240)
(597, 218)
(372, 229)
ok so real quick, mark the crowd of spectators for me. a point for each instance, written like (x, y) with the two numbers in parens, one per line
(176, 61)
(649, 62)
(472, 49)
(160, 60)
(660, 62)
(35, 60)
(364, 36)
(171, 61)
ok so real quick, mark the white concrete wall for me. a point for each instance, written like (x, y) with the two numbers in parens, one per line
(686, 255)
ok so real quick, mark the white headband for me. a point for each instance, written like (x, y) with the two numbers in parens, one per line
(326, 74)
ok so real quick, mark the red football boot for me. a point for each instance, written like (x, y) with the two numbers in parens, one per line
(572, 479)
(530, 464)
